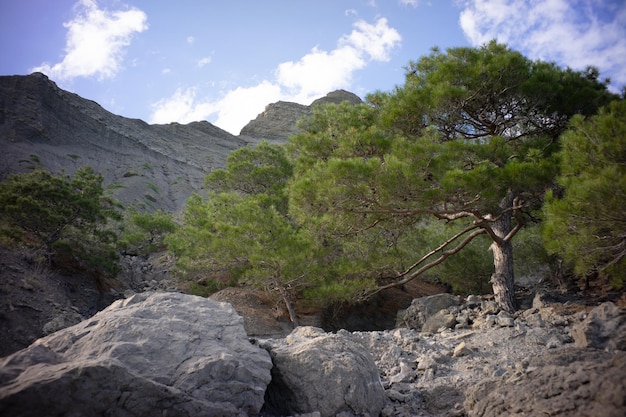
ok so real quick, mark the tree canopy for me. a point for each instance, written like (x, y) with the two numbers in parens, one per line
(64, 215)
(241, 229)
(586, 218)
(371, 196)
(468, 139)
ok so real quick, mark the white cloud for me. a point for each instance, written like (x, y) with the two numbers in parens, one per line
(204, 61)
(575, 33)
(95, 42)
(190, 40)
(312, 76)
(182, 107)
(242, 104)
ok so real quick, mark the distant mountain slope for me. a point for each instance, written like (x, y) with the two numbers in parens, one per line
(150, 166)
(279, 120)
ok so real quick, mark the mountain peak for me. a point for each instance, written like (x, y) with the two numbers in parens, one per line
(279, 120)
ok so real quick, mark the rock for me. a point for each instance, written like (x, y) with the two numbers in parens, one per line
(539, 301)
(604, 328)
(570, 382)
(472, 301)
(338, 97)
(318, 371)
(461, 350)
(63, 320)
(503, 319)
(277, 122)
(424, 307)
(405, 374)
(439, 321)
(149, 355)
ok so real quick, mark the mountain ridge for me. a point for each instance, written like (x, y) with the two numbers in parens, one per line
(150, 166)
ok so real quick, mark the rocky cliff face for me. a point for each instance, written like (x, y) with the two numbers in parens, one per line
(279, 120)
(149, 166)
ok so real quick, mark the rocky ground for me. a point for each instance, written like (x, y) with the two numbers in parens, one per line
(531, 366)
(552, 358)
(560, 354)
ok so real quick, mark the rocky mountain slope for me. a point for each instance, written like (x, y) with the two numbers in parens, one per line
(279, 120)
(148, 166)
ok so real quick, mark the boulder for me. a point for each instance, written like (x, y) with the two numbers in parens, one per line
(421, 309)
(315, 371)
(148, 355)
(440, 320)
(604, 327)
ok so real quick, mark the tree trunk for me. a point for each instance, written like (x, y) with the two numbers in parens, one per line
(284, 294)
(503, 278)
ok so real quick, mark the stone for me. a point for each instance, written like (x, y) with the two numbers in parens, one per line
(325, 372)
(149, 355)
(461, 350)
(404, 375)
(503, 319)
(472, 301)
(604, 328)
(424, 307)
(280, 120)
(439, 321)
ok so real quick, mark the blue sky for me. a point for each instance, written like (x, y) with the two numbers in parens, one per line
(224, 61)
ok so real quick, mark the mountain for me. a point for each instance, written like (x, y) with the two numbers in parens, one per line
(148, 166)
(279, 120)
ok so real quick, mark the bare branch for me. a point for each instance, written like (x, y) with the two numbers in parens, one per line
(409, 276)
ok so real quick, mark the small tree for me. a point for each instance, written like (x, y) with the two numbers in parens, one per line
(586, 220)
(63, 214)
(241, 230)
(145, 233)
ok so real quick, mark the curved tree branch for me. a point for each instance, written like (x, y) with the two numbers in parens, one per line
(410, 275)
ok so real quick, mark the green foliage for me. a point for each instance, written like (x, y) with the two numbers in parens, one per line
(469, 139)
(244, 238)
(475, 93)
(264, 169)
(145, 233)
(64, 215)
(454, 162)
(241, 232)
(587, 224)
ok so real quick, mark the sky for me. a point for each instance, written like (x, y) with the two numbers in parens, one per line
(223, 61)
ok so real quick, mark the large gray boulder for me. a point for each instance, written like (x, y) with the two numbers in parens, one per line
(149, 355)
(315, 371)
(423, 308)
(603, 328)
